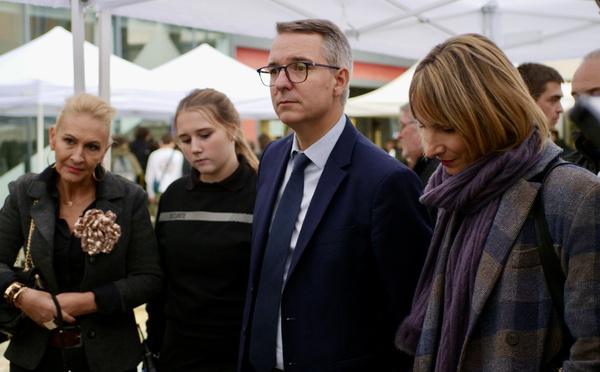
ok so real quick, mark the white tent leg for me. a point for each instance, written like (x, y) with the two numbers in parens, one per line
(78, 30)
(491, 22)
(39, 164)
(105, 47)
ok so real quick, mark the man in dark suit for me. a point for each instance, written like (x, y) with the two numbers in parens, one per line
(339, 236)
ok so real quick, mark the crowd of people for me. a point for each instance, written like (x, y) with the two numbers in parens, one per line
(482, 253)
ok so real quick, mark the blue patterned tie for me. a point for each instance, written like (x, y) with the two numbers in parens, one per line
(266, 310)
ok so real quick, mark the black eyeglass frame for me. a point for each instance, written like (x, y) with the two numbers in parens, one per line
(266, 70)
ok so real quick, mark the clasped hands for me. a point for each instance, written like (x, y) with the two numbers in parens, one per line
(40, 308)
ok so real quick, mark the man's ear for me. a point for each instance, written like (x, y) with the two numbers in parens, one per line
(342, 80)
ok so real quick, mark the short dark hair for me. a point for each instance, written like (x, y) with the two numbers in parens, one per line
(141, 133)
(166, 138)
(536, 76)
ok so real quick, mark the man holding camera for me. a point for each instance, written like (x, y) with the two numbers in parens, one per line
(586, 82)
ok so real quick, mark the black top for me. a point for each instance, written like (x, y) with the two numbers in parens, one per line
(425, 167)
(69, 259)
(204, 233)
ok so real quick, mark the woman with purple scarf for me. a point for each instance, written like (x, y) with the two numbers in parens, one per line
(483, 302)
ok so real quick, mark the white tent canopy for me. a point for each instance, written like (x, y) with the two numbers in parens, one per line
(41, 73)
(533, 30)
(527, 30)
(387, 100)
(384, 101)
(26, 86)
(206, 67)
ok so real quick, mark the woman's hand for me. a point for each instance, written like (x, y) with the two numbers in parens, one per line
(77, 303)
(39, 307)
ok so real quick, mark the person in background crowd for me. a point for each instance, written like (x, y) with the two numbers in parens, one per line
(544, 85)
(164, 166)
(391, 148)
(93, 285)
(123, 162)
(330, 279)
(263, 141)
(204, 229)
(412, 147)
(142, 145)
(586, 81)
(482, 302)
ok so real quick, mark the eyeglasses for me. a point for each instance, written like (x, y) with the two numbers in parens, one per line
(296, 72)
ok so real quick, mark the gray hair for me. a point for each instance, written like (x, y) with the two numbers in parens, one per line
(594, 54)
(336, 47)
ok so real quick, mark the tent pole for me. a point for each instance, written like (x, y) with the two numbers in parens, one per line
(39, 165)
(78, 30)
(105, 48)
(490, 21)
(105, 51)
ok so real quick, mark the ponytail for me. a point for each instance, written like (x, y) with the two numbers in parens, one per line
(243, 148)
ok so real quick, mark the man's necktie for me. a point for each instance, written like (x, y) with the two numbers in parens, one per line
(266, 310)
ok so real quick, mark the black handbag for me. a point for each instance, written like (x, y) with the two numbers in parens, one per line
(10, 316)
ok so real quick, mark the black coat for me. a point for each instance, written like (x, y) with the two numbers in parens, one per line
(111, 340)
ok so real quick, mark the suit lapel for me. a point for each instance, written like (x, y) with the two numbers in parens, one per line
(331, 178)
(265, 201)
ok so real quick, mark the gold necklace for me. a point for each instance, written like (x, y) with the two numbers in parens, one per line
(70, 203)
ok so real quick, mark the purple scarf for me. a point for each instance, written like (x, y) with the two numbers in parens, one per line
(472, 196)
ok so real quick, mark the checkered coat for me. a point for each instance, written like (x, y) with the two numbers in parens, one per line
(512, 325)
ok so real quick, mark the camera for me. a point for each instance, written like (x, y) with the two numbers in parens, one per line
(586, 116)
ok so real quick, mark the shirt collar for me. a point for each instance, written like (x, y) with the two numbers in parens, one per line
(318, 152)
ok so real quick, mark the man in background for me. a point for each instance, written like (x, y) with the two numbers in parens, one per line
(412, 148)
(586, 82)
(544, 84)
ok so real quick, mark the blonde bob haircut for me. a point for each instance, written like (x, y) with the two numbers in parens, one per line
(468, 84)
(87, 104)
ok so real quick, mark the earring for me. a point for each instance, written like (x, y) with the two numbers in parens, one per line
(99, 169)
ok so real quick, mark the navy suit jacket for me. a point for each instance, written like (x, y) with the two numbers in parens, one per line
(356, 263)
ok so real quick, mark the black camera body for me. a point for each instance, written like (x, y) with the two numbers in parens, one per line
(586, 116)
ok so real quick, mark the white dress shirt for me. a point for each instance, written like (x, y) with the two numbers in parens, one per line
(318, 153)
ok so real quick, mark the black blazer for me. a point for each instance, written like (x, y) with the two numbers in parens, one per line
(111, 341)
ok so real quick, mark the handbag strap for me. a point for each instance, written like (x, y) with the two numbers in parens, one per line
(551, 266)
(28, 260)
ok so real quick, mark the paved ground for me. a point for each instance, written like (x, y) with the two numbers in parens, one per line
(140, 316)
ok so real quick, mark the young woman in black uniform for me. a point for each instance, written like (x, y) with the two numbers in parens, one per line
(204, 229)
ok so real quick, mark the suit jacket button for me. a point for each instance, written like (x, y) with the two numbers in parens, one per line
(512, 339)
(91, 333)
(290, 318)
(291, 364)
(92, 259)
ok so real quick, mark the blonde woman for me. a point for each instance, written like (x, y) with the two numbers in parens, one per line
(204, 229)
(80, 315)
(483, 302)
